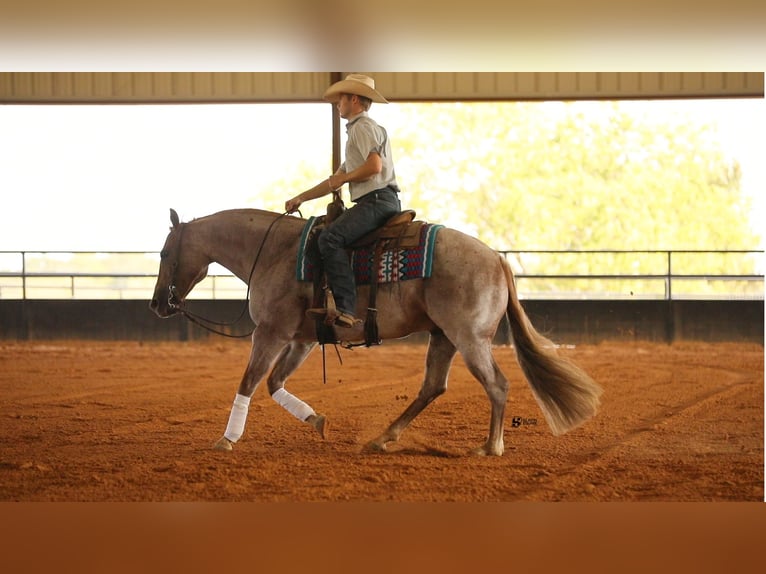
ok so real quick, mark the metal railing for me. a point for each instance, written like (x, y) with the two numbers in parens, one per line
(540, 274)
(639, 274)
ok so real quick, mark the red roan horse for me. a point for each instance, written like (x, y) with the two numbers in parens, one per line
(461, 305)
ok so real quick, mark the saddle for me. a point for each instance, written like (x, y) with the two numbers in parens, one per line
(400, 231)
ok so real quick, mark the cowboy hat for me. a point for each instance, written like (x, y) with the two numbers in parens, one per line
(354, 84)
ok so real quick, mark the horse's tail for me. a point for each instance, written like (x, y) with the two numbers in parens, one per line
(566, 394)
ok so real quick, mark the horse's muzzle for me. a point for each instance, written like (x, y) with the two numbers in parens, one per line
(170, 306)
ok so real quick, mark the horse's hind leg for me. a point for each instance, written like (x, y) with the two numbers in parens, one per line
(441, 351)
(479, 360)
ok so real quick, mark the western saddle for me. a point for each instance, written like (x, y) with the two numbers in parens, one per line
(399, 232)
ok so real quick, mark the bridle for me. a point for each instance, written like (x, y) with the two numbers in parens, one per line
(175, 302)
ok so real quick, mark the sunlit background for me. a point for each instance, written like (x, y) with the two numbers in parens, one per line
(103, 178)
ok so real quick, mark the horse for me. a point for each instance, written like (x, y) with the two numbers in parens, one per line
(470, 290)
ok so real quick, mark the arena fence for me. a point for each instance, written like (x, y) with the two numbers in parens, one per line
(540, 274)
(572, 296)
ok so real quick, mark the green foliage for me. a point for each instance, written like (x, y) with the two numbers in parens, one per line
(572, 176)
(557, 176)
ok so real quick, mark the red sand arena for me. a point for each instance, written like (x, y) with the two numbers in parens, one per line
(128, 421)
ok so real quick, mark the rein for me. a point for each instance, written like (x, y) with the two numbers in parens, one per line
(203, 322)
(176, 303)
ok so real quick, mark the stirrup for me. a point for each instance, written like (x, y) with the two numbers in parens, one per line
(333, 317)
(327, 316)
(347, 320)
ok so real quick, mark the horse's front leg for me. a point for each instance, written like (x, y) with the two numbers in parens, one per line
(264, 351)
(289, 359)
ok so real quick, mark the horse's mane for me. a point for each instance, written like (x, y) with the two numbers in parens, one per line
(239, 212)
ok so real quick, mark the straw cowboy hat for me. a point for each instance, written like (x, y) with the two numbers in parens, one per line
(354, 84)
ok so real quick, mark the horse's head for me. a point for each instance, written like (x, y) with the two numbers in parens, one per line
(182, 266)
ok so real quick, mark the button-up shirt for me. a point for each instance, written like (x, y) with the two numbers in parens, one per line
(365, 136)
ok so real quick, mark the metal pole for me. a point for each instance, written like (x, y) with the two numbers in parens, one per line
(24, 275)
(669, 289)
(670, 320)
(335, 77)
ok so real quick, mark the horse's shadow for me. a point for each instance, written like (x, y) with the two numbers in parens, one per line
(420, 450)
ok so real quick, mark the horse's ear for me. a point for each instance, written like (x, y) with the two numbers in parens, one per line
(174, 217)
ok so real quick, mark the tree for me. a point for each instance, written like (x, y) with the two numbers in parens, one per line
(554, 176)
(562, 176)
(574, 176)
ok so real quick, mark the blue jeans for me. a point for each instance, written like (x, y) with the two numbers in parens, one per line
(369, 213)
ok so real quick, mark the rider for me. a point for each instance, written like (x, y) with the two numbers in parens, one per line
(369, 170)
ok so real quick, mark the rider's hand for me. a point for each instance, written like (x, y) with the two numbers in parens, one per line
(292, 205)
(336, 181)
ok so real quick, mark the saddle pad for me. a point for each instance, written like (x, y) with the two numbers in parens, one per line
(395, 265)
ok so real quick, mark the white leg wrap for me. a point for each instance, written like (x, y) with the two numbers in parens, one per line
(237, 418)
(292, 404)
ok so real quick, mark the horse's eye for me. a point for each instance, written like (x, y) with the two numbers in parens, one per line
(163, 254)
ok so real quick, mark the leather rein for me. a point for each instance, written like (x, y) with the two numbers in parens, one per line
(175, 302)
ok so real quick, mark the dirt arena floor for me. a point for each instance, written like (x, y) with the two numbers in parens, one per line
(129, 421)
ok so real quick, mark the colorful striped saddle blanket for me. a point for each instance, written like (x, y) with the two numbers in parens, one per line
(395, 265)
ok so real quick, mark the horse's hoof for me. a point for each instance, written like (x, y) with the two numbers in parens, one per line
(319, 422)
(223, 444)
(484, 451)
(374, 447)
